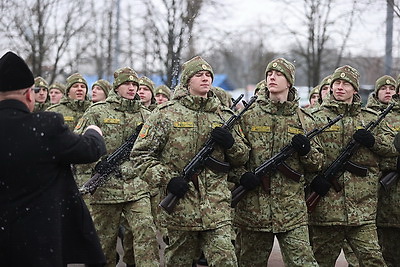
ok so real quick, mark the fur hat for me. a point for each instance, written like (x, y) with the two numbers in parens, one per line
(125, 74)
(349, 74)
(164, 90)
(14, 73)
(103, 84)
(192, 66)
(284, 66)
(40, 82)
(384, 80)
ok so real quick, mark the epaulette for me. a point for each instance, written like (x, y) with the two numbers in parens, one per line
(166, 104)
(98, 103)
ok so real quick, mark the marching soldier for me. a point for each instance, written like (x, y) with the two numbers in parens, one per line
(350, 213)
(124, 193)
(278, 211)
(169, 139)
(388, 213)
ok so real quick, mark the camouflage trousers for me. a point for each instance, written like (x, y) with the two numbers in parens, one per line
(127, 242)
(184, 246)
(389, 239)
(107, 220)
(255, 247)
(349, 254)
(329, 240)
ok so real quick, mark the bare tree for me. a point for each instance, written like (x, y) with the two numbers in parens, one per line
(43, 30)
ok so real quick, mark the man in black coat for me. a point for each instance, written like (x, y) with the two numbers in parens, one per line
(43, 219)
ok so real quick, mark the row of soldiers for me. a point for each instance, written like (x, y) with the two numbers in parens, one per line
(274, 205)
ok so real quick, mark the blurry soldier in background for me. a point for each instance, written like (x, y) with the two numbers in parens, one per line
(124, 193)
(388, 217)
(145, 92)
(100, 90)
(56, 92)
(41, 90)
(272, 123)
(162, 94)
(76, 101)
(260, 86)
(350, 213)
(201, 220)
(313, 97)
(324, 88)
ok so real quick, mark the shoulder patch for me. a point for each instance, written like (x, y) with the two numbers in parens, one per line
(144, 131)
(295, 130)
(260, 128)
(183, 124)
(80, 123)
(68, 118)
(111, 121)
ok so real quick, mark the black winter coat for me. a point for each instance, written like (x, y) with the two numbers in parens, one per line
(43, 219)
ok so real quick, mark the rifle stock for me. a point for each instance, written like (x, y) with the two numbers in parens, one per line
(277, 162)
(342, 163)
(389, 180)
(203, 157)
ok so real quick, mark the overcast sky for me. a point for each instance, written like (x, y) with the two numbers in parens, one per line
(368, 34)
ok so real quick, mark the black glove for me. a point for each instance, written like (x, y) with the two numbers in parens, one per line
(223, 137)
(178, 187)
(249, 180)
(301, 144)
(364, 137)
(320, 185)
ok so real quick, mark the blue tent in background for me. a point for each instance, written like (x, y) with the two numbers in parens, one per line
(220, 80)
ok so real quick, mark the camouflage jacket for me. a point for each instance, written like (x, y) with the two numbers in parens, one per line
(168, 141)
(118, 118)
(388, 202)
(41, 106)
(269, 126)
(72, 110)
(356, 203)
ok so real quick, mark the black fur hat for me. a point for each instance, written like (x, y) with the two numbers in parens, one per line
(14, 73)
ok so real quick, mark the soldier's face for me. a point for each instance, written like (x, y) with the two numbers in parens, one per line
(145, 94)
(41, 95)
(324, 91)
(277, 82)
(161, 98)
(98, 94)
(314, 99)
(200, 83)
(55, 96)
(343, 91)
(77, 91)
(385, 93)
(127, 90)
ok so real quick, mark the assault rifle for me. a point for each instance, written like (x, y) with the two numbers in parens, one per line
(390, 179)
(110, 164)
(277, 163)
(203, 159)
(342, 163)
(236, 101)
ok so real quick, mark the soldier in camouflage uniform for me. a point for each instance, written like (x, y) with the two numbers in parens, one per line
(100, 90)
(169, 139)
(272, 123)
(76, 101)
(42, 99)
(324, 88)
(124, 193)
(146, 93)
(162, 94)
(350, 213)
(388, 217)
(56, 92)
